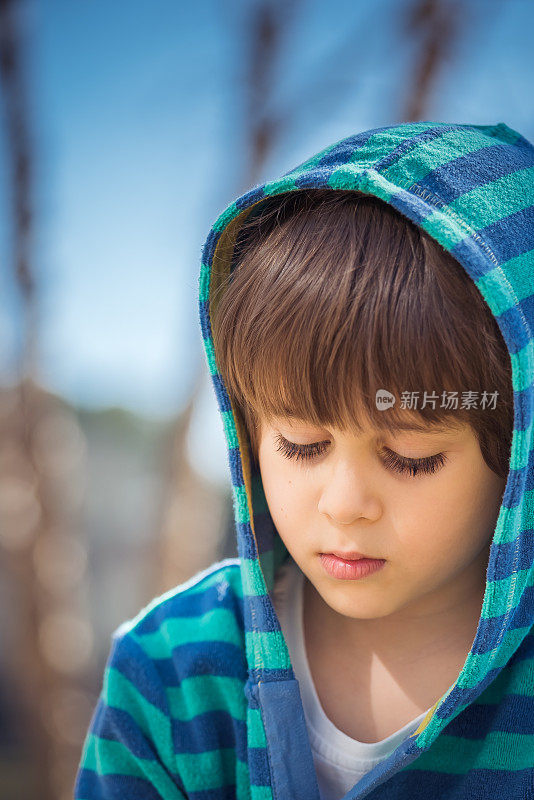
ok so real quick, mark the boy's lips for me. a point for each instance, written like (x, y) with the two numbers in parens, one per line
(353, 555)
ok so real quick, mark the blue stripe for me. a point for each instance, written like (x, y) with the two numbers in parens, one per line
(130, 660)
(250, 197)
(515, 487)
(258, 761)
(343, 151)
(248, 546)
(117, 725)
(512, 714)
(210, 245)
(207, 657)
(488, 627)
(479, 784)
(204, 316)
(465, 173)
(506, 549)
(221, 393)
(464, 696)
(314, 179)
(523, 408)
(212, 730)
(508, 237)
(189, 604)
(236, 469)
(265, 620)
(413, 142)
(91, 786)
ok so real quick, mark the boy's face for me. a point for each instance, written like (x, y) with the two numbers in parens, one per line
(433, 529)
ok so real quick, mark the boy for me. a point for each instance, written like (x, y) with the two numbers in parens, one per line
(367, 320)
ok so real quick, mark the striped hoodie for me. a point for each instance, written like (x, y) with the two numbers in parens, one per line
(199, 699)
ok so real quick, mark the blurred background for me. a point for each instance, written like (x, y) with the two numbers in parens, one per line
(125, 129)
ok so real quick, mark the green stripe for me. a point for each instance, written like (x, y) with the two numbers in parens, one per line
(515, 680)
(107, 757)
(418, 163)
(253, 584)
(217, 624)
(373, 149)
(204, 282)
(494, 201)
(227, 215)
(384, 142)
(498, 198)
(271, 647)
(240, 503)
(522, 368)
(521, 443)
(256, 729)
(281, 185)
(202, 694)
(524, 511)
(456, 755)
(119, 692)
(502, 589)
(518, 273)
(260, 792)
(230, 431)
(210, 353)
(479, 664)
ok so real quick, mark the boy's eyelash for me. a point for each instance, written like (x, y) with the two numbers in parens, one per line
(414, 466)
(393, 461)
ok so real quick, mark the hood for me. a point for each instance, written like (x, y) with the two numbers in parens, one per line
(470, 187)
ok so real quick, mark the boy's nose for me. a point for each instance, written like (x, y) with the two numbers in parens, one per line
(348, 496)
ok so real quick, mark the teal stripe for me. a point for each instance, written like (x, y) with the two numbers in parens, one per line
(493, 201)
(271, 648)
(204, 282)
(240, 503)
(504, 588)
(456, 755)
(230, 429)
(210, 355)
(518, 273)
(179, 630)
(253, 585)
(204, 694)
(107, 757)
(522, 369)
(426, 157)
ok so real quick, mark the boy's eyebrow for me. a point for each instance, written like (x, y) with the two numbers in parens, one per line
(430, 429)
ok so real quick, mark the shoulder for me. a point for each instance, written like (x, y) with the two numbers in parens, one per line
(180, 661)
(196, 620)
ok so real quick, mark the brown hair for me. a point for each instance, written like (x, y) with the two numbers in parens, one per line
(334, 295)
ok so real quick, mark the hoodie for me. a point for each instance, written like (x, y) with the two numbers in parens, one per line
(199, 696)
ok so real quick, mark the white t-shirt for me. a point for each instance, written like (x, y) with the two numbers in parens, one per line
(340, 761)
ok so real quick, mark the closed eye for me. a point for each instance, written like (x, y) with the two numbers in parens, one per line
(391, 460)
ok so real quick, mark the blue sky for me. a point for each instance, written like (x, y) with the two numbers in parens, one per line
(138, 116)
